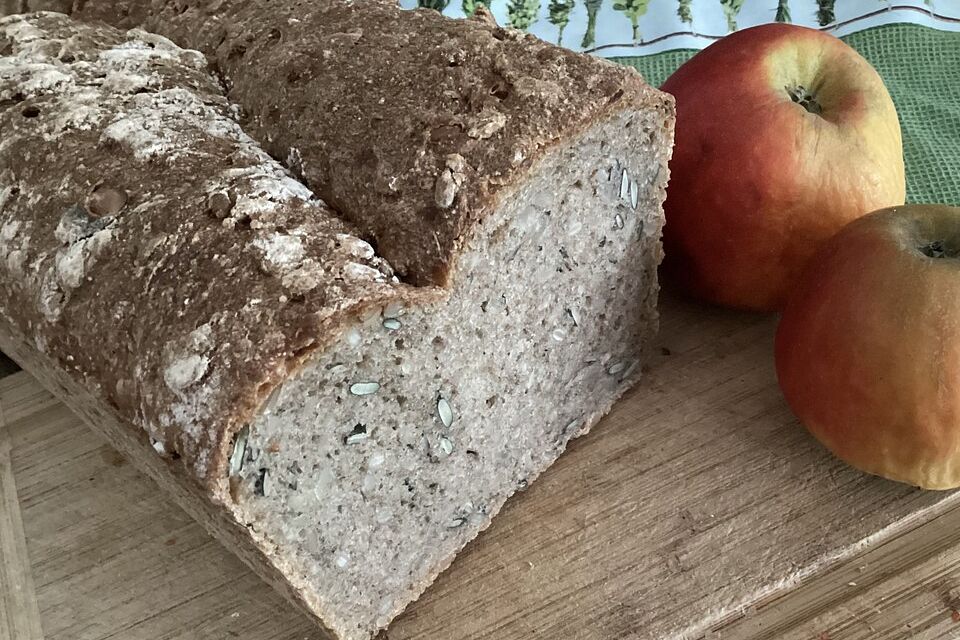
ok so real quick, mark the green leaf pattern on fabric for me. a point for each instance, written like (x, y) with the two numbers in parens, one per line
(523, 13)
(593, 10)
(600, 26)
(470, 6)
(731, 9)
(436, 5)
(633, 9)
(560, 16)
(825, 13)
(783, 11)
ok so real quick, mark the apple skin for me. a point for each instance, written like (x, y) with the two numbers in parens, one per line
(758, 182)
(868, 347)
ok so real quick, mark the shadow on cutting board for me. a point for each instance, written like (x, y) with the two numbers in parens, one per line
(7, 366)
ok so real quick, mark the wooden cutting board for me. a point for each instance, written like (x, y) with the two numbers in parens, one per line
(697, 508)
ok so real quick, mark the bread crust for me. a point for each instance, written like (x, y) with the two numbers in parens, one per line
(412, 125)
(122, 172)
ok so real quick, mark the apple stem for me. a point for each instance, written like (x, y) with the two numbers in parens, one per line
(936, 249)
(805, 99)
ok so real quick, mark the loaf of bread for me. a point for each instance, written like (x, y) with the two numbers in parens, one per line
(345, 393)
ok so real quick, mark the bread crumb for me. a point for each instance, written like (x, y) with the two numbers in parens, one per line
(487, 124)
(281, 251)
(185, 371)
(355, 271)
(450, 181)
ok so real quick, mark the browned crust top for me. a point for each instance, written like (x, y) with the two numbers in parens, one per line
(409, 123)
(149, 245)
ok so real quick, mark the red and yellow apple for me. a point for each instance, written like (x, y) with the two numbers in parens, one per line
(784, 135)
(868, 347)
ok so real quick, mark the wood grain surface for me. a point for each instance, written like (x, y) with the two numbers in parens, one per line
(697, 508)
(914, 569)
(19, 614)
(920, 603)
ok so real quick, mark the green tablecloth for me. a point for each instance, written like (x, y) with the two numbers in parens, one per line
(921, 67)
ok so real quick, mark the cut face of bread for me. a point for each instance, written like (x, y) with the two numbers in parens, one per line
(373, 465)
